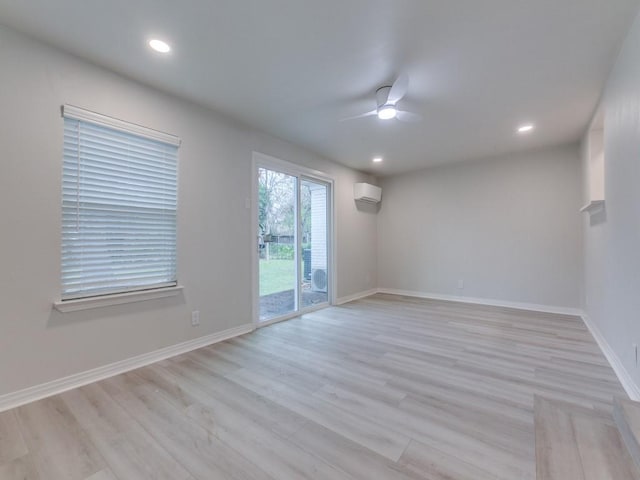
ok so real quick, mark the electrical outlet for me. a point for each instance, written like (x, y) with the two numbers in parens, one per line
(461, 284)
(195, 318)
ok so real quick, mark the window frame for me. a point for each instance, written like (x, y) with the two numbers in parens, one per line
(93, 298)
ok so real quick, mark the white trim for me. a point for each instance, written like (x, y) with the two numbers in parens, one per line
(332, 250)
(626, 380)
(593, 206)
(70, 111)
(534, 307)
(293, 169)
(289, 316)
(38, 392)
(297, 252)
(356, 296)
(88, 303)
(281, 318)
(255, 258)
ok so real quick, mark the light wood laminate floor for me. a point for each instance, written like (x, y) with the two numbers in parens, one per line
(382, 388)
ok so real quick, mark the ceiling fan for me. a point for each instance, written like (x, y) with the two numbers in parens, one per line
(387, 97)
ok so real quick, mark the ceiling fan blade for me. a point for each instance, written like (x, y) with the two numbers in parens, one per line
(368, 114)
(399, 89)
(408, 117)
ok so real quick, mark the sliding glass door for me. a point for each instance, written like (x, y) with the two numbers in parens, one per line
(314, 206)
(293, 227)
(277, 243)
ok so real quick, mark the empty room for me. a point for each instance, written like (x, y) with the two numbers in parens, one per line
(358, 239)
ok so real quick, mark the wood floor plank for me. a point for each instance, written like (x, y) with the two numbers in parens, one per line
(575, 442)
(386, 387)
(278, 457)
(349, 456)
(128, 449)
(195, 446)
(255, 438)
(557, 451)
(58, 447)
(12, 444)
(359, 428)
(102, 475)
(435, 426)
(420, 461)
(21, 468)
(250, 404)
(602, 452)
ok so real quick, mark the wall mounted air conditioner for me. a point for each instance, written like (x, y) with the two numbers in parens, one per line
(365, 192)
(319, 280)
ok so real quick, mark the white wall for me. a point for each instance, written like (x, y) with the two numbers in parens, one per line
(612, 239)
(508, 227)
(38, 344)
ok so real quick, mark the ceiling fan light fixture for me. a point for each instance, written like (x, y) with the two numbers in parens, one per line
(529, 127)
(387, 112)
(159, 45)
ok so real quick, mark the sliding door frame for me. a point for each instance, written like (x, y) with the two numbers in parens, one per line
(260, 160)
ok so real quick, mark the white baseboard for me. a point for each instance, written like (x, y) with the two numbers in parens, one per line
(38, 392)
(623, 375)
(485, 301)
(356, 296)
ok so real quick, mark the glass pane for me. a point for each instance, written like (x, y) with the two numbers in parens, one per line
(315, 274)
(277, 225)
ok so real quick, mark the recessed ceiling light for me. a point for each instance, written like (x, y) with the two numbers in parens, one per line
(159, 46)
(526, 128)
(387, 112)
(377, 160)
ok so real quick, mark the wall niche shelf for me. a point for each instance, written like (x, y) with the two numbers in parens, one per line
(593, 206)
(595, 167)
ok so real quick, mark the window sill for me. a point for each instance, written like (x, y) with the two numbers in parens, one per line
(115, 299)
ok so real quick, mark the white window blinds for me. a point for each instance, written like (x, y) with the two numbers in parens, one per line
(119, 203)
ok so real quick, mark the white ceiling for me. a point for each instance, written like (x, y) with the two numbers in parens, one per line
(294, 68)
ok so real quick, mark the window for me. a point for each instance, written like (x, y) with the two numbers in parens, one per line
(119, 205)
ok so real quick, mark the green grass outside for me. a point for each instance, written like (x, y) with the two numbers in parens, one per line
(277, 276)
